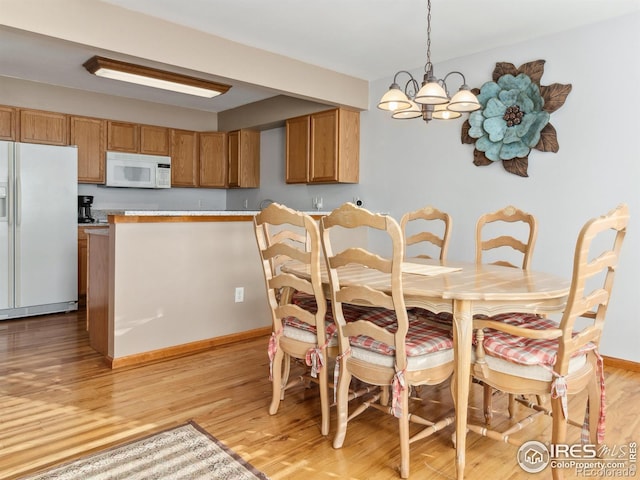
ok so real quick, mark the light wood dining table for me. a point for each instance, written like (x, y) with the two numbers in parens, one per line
(465, 289)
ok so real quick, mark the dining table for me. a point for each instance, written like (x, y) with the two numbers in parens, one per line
(464, 289)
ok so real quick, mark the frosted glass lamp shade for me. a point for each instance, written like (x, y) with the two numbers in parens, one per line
(441, 112)
(394, 100)
(464, 101)
(432, 93)
(414, 111)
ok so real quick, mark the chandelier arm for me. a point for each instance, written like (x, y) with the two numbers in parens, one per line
(444, 80)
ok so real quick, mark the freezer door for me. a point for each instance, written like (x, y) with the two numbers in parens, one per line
(46, 224)
(6, 237)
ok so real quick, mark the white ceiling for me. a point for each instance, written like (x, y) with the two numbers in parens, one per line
(368, 39)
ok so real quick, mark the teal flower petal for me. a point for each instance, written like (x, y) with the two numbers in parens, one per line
(494, 108)
(509, 97)
(525, 103)
(488, 90)
(491, 149)
(513, 150)
(531, 136)
(476, 119)
(495, 127)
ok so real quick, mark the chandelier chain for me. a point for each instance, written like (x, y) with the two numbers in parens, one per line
(428, 34)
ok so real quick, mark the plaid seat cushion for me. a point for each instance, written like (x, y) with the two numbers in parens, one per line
(421, 338)
(308, 302)
(521, 350)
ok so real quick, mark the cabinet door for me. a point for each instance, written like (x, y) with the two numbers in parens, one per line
(349, 146)
(324, 147)
(123, 137)
(8, 123)
(297, 153)
(184, 158)
(154, 140)
(233, 139)
(213, 160)
(37, 126)
(244, 158)
(89, 135)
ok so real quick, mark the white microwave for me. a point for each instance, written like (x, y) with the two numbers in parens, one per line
(138, 171)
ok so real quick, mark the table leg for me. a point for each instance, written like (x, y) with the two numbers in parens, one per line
(462, 332)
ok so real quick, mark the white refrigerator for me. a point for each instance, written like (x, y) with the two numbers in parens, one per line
(38, 229)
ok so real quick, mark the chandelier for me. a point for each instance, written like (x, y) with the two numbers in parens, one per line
(431, 99)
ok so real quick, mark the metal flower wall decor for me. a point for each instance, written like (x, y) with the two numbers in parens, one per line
(514, 117)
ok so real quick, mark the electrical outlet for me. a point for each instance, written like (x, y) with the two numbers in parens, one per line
(239, 294)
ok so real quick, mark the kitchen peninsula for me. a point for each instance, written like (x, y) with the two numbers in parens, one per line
(164, 283)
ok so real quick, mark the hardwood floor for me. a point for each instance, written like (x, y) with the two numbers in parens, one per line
(59, 401)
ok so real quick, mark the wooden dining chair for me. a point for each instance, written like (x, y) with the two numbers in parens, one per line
(385, 346)
(534, 355)
(428, 229)
(298, 306)
(495, 247)
(505, 237)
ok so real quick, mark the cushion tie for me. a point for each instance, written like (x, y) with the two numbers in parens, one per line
(336, 371)
(314, 359)
(398, 385)
(272, 349)
(559, 390)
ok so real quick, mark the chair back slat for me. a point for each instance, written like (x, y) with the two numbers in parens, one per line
(427, 217)
(523, 245)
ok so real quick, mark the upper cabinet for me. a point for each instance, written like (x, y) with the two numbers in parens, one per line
(298, 133)
(37, 126)
(8, 123)
(323, 147)
(184, 158)
(123, 137)
(155, 140)
(244, 158)
(214, 163)
(89, 134)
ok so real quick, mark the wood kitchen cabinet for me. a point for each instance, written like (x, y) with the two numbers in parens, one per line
(213, 160)
(50, 128)
(184, 158)
(298, 134)
(123, 137)
(323, 147)
(8, 123)
(244, 158)
(155, 140)
(89, 134)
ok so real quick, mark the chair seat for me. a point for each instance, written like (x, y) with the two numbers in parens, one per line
(526, 357)
(426, 345)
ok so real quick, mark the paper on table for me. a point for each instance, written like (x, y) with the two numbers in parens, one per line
(422, 269)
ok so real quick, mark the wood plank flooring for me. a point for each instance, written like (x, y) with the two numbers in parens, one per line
(59, 401)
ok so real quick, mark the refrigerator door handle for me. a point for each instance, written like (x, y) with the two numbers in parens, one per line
(4, 202)
(18, 201)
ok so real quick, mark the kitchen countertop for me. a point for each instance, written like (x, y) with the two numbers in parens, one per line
(195, 213)
(160, 216)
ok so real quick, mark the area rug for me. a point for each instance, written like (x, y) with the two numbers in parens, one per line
(186, 452)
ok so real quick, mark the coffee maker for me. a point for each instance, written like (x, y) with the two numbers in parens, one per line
(84, 209)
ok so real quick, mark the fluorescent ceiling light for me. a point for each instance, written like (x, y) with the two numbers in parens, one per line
(152, 77)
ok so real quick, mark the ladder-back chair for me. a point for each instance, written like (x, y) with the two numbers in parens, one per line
(534, 355)
(386, 346)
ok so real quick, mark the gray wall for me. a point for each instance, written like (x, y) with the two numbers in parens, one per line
(407, 164)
